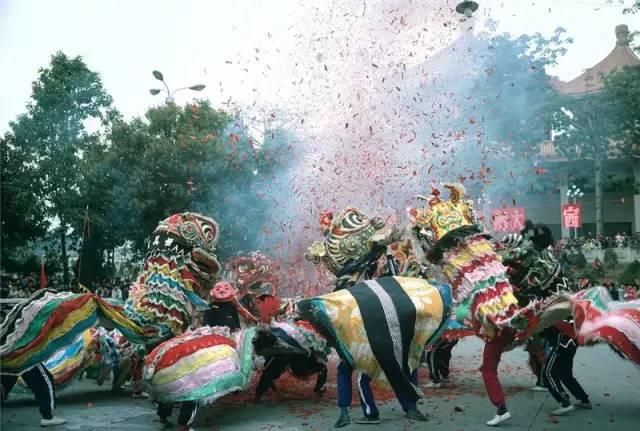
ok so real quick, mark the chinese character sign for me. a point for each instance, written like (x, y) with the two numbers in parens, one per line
(571, 215)
(508, 219)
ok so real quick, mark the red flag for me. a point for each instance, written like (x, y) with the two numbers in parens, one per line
(43, 276)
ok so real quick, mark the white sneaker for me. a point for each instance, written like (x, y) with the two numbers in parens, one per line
(433, 385)
(498, 419)
(52, 422)
(563, 410)
(537, 388)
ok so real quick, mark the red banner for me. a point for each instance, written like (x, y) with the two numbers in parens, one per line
(571, 215)
(508, 219)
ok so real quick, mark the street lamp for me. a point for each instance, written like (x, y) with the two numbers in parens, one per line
(574, 193)
(467, 8)
(158, 75)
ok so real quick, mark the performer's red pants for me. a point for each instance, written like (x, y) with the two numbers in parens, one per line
(490, 359)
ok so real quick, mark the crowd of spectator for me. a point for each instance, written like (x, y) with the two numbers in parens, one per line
(601, 242)
(621, 292)
(117, 289)
(17, 286)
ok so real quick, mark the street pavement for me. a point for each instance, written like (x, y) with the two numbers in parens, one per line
(611, 382)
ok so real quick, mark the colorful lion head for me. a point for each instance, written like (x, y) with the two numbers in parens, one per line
(254, 274)
(440, 217)
(349, 236)
(179, 271)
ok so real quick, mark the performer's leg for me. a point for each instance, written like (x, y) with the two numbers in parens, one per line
(40, 381)
(275, 366)
(136, 378)
(409, 406)
(552, 382)
(444, 354)
(565, 360)
(164, 413)
(7, 383)
(367, 402)
(321, 381)
(434, 373)
(188, 413)
(345, 392)
(345, 385)
(490, 359)
(536, 363)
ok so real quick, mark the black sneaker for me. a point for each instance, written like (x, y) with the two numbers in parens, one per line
(368, 420)
(416, 415)
(342, 421)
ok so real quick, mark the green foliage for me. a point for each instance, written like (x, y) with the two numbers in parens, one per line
(622, 97)
(53, 134)
(191, 158)
(610, 258)
(23, 208)
(578, 260)
(511, 102)
(631, 274)
(588, 124)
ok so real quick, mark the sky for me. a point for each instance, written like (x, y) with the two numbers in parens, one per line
(257, 53)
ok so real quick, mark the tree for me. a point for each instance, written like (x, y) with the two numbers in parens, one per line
(66, 98)
(601, 126)
(23, 209)
(507, 114)
(621, 95)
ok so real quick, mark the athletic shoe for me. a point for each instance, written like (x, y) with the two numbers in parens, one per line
(165, 424)
(416, 415)
(368, 420)
(52, 422)
(584, 405)
(140, 395)
(445, 380)
(537, 388)
(342, 421)
(433, 385)
(498, 419)
(563, 410)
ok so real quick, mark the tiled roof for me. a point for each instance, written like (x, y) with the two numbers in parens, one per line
(591, 79)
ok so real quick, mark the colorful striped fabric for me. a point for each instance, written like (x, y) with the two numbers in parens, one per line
(482, 291)
(301, 336)
(203, 364)
(50, 321)
(598, 318)
(163, 296)
(381, 326)
(67, 363)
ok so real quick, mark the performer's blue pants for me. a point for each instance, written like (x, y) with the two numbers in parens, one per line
(367, 402)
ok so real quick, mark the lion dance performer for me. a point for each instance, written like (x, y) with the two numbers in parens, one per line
(378, 326)
(486, 300)
(180, 267)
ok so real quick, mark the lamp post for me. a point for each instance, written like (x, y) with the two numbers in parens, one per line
(467, 8)
(158, 75)
(574, 193)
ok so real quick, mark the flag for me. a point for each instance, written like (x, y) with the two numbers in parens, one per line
(43, 276)
(87, 256)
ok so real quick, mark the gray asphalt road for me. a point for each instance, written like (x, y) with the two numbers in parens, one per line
(611, 382)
